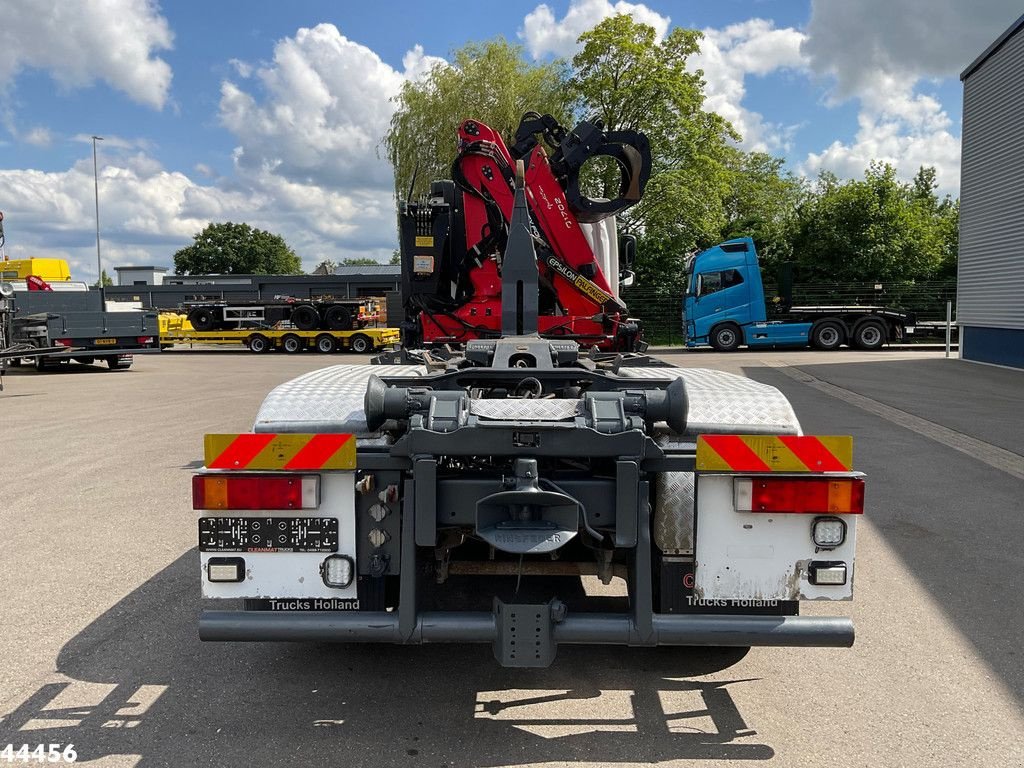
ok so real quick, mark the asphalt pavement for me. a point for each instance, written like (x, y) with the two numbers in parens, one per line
(99, 599)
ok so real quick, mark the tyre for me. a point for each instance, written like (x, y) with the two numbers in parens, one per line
(338, 318)
(41, 363)
(202, 319)
(827, 335)
(869, 335)
(325, 343)
(305, 317)
(726, 337)
(291, 343)
(360, 343)
(258, 343)
(118, 365)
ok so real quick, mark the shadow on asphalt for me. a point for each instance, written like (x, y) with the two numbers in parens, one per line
(141, 683)
(954, 521)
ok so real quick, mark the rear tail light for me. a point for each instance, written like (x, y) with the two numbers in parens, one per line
(255, 492)
(62, 342)
(144, 339)
(810, 495)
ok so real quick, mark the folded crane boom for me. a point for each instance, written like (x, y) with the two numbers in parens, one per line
(453, 243)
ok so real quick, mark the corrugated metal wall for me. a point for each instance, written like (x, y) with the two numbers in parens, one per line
(991, 273)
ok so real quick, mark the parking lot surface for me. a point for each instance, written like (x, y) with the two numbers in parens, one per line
(99, 597)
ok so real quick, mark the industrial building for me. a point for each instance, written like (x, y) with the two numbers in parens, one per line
(990, 303)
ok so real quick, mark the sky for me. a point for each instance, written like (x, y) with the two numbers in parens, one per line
(272, 113)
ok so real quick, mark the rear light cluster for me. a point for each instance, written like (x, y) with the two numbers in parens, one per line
(62, 342)
(222, 491)
(144, 340)
(801, 495)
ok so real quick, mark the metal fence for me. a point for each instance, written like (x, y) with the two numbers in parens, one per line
(661, 307)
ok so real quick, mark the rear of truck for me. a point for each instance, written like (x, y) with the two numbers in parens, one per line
(571, 501)
(76, 324)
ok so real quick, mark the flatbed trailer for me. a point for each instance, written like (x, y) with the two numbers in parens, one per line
(290, 340)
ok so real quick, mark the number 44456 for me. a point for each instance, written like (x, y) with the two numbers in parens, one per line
(40, 753)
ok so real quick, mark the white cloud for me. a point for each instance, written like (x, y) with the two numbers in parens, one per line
(306, 168)
(728, 56)
(147, 212)
(543, 34)
(38, 137)
(904, 39)
(243, 68)
(879, 52)
(79, 43)
(902, 129)
(326, 104)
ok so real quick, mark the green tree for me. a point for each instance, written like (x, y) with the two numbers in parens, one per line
(360, 261)
(104, 280)
(631, 81)
(762, 203)
(230, 248)
(490, 82)
(325, 267)
(396, 258)
(876, 228)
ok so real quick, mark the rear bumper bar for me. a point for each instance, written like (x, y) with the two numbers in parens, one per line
(480, 627)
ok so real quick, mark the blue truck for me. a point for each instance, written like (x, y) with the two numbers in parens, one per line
(724, 307)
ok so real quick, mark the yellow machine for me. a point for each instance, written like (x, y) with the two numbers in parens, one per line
(50, 270)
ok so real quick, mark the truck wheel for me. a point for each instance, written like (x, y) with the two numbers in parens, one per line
(291, 343)
(305, 317)
(41, 363)
(360, 343)
(325, 343)
(202, 319)
(338, 318)
(869, 335)
(725, 337)
(827, 335)
(258, 343)
(118, 365)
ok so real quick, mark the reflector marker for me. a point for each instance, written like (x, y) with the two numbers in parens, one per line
(733, 452)
(318, 451)
(238, 453)
(774, 453)
(280, 451)
(813, 453)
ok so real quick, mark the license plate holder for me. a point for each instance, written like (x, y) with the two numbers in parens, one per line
(105, 342)
(268, 534)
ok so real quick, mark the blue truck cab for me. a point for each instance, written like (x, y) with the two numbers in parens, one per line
(724, 307)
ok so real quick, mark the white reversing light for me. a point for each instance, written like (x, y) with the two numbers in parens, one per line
(827, 574)
(337, 571)
(828, 532)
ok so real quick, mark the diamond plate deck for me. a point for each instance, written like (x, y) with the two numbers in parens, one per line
(723, 403)
(327, 400)
(673, 512)
(526, 410)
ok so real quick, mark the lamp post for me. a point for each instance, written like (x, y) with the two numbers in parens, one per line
(96, 189)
